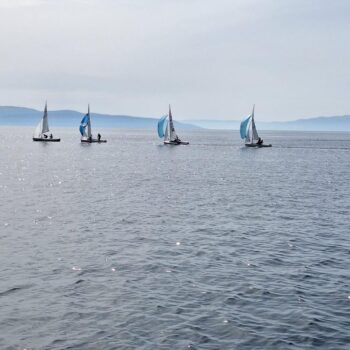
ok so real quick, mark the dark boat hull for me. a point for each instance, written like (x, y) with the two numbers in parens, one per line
(94, 141)
(39, 139)
(255, 145)
(176, 143)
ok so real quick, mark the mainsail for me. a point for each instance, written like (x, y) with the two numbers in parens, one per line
(166, 135)
(43, 125)
(172, 132)
(85, 125)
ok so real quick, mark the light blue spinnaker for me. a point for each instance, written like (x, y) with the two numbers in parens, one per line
(244, 125)
(161, 126)
(83, 124)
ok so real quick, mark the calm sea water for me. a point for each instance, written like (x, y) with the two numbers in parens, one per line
(136, 245)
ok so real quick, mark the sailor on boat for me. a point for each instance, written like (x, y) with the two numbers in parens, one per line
(177, 139)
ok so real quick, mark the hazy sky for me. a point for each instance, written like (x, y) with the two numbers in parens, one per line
(209, 59)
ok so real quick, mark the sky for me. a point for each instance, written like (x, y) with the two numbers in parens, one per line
(209, 59)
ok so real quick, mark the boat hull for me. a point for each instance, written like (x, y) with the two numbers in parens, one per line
(255, 145)
(93, 141)
(176, 143)
(39, 139)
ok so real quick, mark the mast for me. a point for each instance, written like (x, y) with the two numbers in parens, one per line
(89, 122)
(171, 126)
(255, 135)
(45, 122)
(249, 130)
(252, 125)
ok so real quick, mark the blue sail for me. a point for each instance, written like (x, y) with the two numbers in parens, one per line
(84, 122)
(243, 129)
(161, 126)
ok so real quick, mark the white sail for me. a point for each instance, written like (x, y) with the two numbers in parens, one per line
(252, 134)
(45, 121)
(38, 129)
(43, 125)
(166, 134)
(172, 132)
(254, 131)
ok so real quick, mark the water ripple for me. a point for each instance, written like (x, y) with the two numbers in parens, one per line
(133, 245)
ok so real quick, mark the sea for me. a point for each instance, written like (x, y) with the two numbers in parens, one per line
(134, 244)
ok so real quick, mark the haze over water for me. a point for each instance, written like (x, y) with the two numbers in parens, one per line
(136, 245)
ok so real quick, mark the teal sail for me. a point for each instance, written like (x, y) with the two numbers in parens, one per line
(244, 125)
(161, 123)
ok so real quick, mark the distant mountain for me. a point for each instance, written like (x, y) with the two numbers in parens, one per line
(66, 118)
(336, 123)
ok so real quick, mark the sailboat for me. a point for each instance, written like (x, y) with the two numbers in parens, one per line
(250, 134)
(169, 134)
(40, 133)
(85, 130)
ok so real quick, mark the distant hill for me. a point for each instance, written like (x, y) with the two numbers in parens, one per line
(66, 118)
(336, 123)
